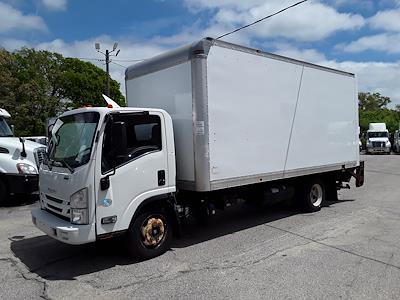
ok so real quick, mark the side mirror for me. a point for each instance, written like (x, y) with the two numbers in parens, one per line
(119, 138)
(13, 129)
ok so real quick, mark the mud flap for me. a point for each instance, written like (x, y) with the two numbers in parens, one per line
(359, 174)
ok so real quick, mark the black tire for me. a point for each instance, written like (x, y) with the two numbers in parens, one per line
(3, 193)
(312, 195)
(141, 247)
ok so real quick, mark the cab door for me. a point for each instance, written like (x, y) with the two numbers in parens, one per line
(131, 170)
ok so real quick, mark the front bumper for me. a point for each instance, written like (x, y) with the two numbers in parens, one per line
(62, 230)
(22, 183)
(378, 149)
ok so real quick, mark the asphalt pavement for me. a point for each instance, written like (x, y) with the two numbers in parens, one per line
(350, 249)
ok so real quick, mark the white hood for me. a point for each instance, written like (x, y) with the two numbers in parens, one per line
(14, 143)
(13, 146)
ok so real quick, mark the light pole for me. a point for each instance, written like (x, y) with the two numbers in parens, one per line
(107, 54)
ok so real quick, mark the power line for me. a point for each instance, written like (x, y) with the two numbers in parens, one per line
(112, 61)
(87, 58)
(120, 60)
(262, 19)
(128, 60)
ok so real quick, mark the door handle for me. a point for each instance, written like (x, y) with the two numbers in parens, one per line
(161, 177)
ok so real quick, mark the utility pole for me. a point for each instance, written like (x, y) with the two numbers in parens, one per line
(108, 72)
(107, 55)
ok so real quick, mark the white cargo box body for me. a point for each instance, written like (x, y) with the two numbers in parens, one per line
(242, 116)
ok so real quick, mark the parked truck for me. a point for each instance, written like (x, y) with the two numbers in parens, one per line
(227, 122)
(19, 162)
(378, 139)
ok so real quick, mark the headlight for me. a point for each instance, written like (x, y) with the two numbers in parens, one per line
(79, 199)
(80, 207)
(368, 143)
(388, 144)
(26, 169)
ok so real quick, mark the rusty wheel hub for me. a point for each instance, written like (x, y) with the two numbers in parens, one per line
(153, 230)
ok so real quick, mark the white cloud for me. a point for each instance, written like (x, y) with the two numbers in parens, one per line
(12, 44)
(374, 76)
(386, 20)
(310, 21)
(384, 42)
(55, 5)
(13, 19)
(211, 4)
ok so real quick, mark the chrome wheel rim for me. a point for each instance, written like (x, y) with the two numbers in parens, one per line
(316, 195)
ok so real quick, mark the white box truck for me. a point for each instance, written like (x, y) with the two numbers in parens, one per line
(226, 122)
(19, 162)
(378, 139)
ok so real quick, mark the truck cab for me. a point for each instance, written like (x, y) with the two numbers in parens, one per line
(19, 161)
(105, 166)
(378, 139)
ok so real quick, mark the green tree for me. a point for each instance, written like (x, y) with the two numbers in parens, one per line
(37, 85)
(373, 109)
(84, 83)
(375, 101)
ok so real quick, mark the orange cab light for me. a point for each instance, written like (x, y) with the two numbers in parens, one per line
(109, 106)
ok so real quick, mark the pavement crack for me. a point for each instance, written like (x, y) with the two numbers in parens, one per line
(335, 247)
(44, 284)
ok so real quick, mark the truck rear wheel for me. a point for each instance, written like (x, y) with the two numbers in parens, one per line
(3, 193)
(149, 235)
(313, 195)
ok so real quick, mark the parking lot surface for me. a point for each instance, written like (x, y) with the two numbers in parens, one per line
(350, 249)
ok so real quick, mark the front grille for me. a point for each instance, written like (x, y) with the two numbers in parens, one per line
(58, 207)
(40, 155)
(58, 215)
(378, 144)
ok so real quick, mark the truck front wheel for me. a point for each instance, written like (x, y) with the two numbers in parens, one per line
(149, 235)
(313, 195)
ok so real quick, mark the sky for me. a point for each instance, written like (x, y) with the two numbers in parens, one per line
(359, 36)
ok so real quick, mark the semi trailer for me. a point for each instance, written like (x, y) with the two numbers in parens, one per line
(206, 124)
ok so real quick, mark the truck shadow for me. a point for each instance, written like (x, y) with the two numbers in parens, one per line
(20, 200)
(53, 260)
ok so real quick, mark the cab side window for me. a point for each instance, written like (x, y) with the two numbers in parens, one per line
(143, 135)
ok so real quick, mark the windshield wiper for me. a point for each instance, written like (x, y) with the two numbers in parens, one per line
(64, 164)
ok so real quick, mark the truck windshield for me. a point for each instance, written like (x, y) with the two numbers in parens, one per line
(5, 130)
(72, 139)
(378, 134)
